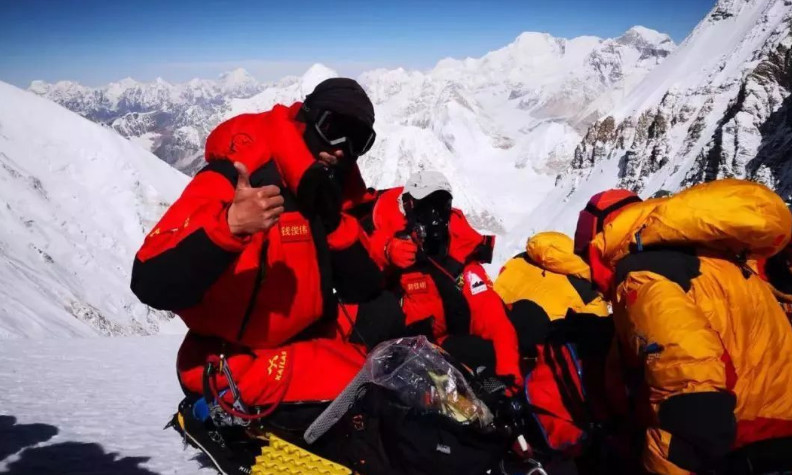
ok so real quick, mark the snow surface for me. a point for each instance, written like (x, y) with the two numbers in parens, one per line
(91, 406)
(76, 200)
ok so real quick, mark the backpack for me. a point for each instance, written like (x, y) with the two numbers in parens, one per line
(381, 436)
(564, 391)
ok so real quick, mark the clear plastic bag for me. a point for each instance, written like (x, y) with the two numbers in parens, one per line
(423, 378)
(420, 375)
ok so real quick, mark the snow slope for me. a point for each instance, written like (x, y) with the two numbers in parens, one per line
(76, 200)
(91, 406)
(719, 106)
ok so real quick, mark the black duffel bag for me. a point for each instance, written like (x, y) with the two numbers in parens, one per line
(380, 435)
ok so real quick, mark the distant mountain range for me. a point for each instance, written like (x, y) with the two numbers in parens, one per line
(492, 123)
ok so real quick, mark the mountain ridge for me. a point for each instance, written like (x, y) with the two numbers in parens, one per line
(78, 200)
(518, 108)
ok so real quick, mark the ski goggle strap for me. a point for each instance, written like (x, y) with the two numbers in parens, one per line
(340, 130)
(592, 221)
(601, 214)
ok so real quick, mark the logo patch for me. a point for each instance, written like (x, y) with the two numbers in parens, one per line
(444, 449)
(294, 230)
(239, 142)
(460, 281)
(277, 365)
(476, 285)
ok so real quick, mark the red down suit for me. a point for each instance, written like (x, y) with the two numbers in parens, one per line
(255, 298)
(452, 296)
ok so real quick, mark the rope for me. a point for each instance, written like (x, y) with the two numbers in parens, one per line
(211, 381)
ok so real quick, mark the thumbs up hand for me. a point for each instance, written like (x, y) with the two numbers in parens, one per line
(253, 209)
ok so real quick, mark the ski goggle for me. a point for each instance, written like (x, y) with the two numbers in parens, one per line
(339, 130)
(434, 210)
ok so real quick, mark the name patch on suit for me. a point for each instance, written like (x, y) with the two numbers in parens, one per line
(416, 285)
(294, 230)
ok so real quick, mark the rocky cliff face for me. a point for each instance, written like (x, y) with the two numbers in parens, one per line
(753, 139)
(718, 107)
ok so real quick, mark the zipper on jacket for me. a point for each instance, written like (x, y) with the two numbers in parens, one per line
(254, 294)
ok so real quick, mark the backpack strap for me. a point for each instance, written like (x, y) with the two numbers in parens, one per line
(677, 264)
(601, 214)
(584, 289)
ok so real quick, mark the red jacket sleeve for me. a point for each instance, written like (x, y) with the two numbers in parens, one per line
(387, 219)
(377, 241)
(488, 320)
(191, 246)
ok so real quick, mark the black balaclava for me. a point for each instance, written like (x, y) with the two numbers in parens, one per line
(342, 96)
(430, 218)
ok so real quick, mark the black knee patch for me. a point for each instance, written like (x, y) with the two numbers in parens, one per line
(764, 456)
(591, 334)
(423, 327)
(702, 428)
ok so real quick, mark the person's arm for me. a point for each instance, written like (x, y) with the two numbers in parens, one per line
(356, 275)
(689, 374)
(387, 241)
(488, 320)
(200, 236)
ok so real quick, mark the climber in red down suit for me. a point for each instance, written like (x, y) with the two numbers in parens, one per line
(433, 260)
(249, 256)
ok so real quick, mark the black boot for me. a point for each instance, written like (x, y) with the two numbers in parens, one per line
(230, 449)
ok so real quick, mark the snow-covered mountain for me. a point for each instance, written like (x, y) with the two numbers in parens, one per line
(717, 107)
(492, 124)
(171, 120)
(501, 126)
(76, 200)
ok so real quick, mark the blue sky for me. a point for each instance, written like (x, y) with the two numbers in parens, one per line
(95, 42)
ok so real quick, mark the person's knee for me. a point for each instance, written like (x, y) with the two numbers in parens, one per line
(192, 358)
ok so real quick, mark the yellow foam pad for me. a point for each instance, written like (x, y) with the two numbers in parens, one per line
(282, 458)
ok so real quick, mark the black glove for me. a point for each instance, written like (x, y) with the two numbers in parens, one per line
(319, 196)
